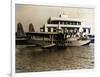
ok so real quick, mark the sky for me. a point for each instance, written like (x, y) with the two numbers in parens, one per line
(38, 15)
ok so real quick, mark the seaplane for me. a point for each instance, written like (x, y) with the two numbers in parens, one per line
(59, 31)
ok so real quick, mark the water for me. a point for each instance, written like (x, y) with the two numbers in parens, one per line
(36, 59)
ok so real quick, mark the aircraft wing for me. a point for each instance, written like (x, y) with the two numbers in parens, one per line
(42, 44)
(41, 33)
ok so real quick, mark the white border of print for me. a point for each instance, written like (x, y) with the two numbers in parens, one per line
(69, 3)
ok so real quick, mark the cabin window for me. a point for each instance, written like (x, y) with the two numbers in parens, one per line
(54, 29)
(54, 22)
(89, 30)
(49, 29)
(68, 23)
(75, 23)
(61, 22)
(84, 30)
(65, 22)
(79, 23)
(72, 23)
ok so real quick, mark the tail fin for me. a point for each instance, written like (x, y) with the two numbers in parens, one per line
(31, 28)
(20, 30)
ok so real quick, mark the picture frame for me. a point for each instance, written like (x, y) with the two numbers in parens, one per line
(13, 39)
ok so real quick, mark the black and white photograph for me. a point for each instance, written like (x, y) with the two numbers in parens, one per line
(53, 38)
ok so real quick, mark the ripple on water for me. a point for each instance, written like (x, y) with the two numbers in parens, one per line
(32, 59)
